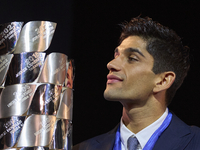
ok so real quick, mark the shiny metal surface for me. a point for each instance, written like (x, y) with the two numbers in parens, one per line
(4, 65)
(37, 131)
(70, 74)
(35, 36)
(16, 99)
(10, 129)
(61, 134)
(9, 34)
(24, 68)
(54, 70)
(36, 91)
(28, 148)
(1, 89)
(66, 105)
(35, 148)
(46, 100)
(68, 140)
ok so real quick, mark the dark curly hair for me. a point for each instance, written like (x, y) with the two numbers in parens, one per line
(164, 45)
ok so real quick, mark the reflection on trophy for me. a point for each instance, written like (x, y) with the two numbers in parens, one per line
(36, 90)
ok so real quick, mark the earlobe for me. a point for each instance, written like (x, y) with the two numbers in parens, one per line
(164, 81)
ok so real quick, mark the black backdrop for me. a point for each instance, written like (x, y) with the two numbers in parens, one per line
(88, 32)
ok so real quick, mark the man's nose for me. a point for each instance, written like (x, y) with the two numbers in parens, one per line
(114, 65)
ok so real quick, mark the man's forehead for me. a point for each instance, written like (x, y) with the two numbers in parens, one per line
(134, 42)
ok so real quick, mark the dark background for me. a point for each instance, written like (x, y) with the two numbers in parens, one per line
(88, 32)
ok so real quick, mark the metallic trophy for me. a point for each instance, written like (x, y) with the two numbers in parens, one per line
(36, 90)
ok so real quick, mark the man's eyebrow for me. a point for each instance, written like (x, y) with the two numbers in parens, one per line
(129, 50)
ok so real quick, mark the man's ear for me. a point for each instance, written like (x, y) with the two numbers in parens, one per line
(164, 81)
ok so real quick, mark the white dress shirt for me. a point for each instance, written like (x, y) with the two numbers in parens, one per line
(143, 136)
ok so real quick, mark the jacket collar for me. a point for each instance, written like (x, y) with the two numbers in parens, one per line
(176, 136)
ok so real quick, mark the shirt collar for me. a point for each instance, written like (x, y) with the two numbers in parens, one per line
(144, 135)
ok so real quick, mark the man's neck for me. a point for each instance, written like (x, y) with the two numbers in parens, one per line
(137, 118)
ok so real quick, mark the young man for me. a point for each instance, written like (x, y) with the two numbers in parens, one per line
(149, 66)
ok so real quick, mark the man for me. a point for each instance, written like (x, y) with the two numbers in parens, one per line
(149, 66)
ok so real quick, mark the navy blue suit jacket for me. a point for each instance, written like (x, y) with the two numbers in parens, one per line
(177, 136)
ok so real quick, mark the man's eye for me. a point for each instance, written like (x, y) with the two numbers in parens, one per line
(132, 59)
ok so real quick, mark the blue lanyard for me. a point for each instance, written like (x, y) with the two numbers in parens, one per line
(117, 145)
(151, 142)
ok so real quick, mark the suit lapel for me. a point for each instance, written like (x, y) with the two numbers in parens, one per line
(107, 142)
(176, 136)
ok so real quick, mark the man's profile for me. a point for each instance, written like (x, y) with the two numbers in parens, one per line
(149, 66)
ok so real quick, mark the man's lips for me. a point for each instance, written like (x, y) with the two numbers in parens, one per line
(113, 79)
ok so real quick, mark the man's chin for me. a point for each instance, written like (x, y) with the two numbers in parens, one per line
(108, 95)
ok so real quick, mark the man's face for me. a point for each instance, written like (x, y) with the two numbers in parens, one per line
(130, 77)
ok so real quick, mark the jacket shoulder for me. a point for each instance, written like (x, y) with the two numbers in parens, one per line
(196, 131)
(179, 136)
(103, 141)
(90, 143)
